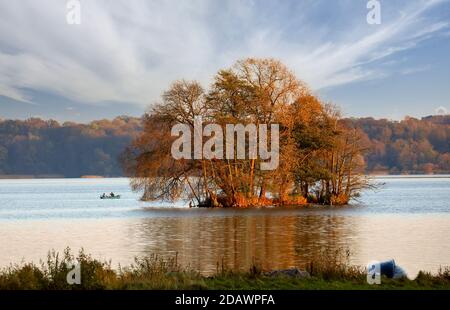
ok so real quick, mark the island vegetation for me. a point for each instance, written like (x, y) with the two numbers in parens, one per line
(320, 157)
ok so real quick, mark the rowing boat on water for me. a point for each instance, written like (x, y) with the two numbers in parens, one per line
(110, 197)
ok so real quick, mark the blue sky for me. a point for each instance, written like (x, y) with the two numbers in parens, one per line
(125, 53)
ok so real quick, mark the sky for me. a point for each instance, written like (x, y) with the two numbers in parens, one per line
(124, 54)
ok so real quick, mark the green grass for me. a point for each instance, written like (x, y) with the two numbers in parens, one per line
(331, 272)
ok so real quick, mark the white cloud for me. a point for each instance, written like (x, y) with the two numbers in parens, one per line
(414, 70)
(130, 51)
(441, 111)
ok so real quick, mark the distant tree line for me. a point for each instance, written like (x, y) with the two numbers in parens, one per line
(38, 147)
(35, 147)
(414, 146)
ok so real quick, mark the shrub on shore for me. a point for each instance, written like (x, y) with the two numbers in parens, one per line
(332, 271)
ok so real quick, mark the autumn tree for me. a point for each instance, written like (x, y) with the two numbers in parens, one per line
(313, 149)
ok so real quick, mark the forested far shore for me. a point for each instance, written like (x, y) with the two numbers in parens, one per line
(40, 148)
(47, 148)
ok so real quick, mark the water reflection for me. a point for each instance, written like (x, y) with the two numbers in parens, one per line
(236, 242)
(273, 238)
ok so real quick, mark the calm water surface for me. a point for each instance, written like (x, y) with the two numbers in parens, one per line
(407, 219)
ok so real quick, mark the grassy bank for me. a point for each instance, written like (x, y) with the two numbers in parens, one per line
(155, 273)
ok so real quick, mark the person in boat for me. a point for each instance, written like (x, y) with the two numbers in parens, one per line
(111, 194)
(103, 195)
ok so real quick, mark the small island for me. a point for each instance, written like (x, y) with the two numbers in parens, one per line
(319, 157)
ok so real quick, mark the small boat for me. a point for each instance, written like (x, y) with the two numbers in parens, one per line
(110, 197)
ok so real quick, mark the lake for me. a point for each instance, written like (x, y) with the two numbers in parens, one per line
(407, 219)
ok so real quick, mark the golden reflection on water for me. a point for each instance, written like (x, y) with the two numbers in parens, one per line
(237, 241)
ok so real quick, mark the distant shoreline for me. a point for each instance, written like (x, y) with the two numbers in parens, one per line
(51, 176)
(412, 176)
